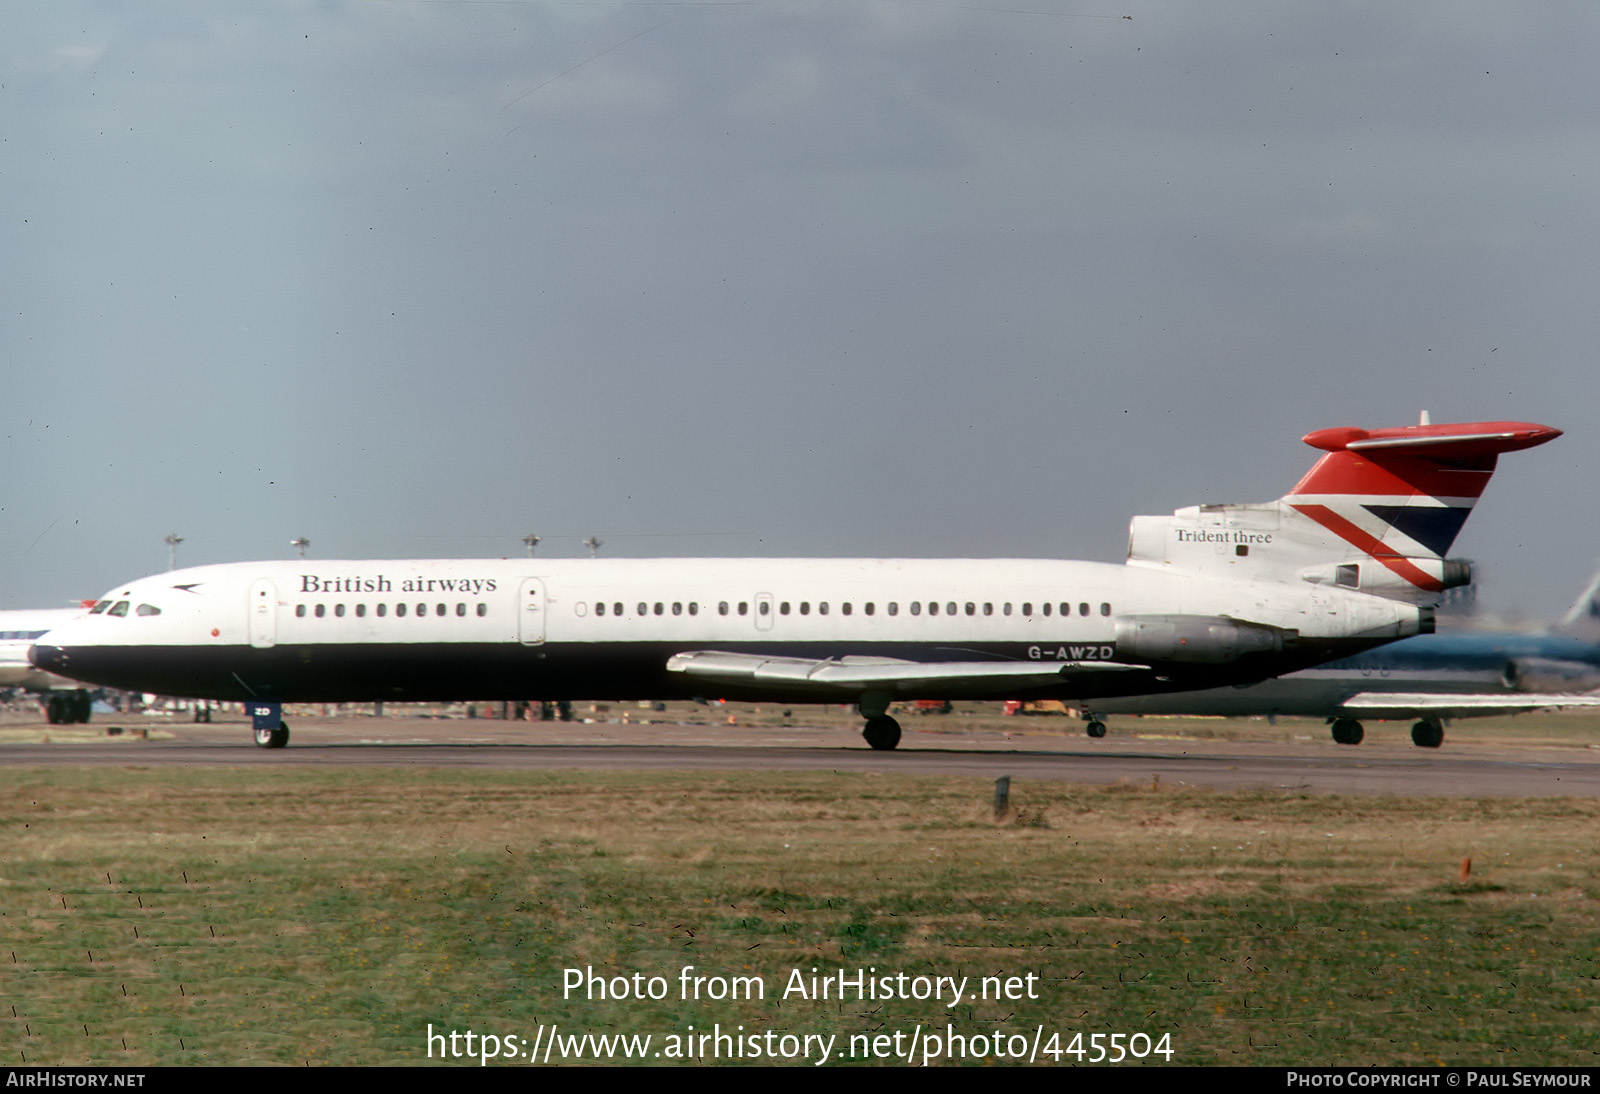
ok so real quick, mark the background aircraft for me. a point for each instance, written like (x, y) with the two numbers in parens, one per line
(64, 700)
(1431, 678)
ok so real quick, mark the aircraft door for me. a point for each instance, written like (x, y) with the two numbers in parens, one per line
(763, 611)
(530, 611)
(263, 615)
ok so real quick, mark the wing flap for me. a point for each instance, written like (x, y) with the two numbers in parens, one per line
(855, 674)
(1400, 704)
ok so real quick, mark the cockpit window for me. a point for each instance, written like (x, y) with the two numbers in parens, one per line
(100, 607)
(148, 609)
(119, 608)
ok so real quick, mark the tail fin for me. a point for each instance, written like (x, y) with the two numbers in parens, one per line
(1378, 512)
(1583, 618)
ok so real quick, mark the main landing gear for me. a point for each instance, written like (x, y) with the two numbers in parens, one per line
(881, 731)
(1095, 727)
(1427, 733)
(266, 721)
(1347, 731)
(64, 708)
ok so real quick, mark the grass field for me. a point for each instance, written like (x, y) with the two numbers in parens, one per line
(331, 916)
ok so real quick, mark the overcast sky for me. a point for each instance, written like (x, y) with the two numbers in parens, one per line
(414, 279)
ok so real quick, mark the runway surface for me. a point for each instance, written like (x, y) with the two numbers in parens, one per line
(1309, 766)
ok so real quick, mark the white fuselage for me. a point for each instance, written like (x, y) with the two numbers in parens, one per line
(515, 628)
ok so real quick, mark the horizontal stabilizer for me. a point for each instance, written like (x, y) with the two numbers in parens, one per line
(856, 674)
(1378, 704)
(1438, 441)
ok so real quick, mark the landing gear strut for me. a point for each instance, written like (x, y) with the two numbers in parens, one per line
(1347, 731)
(1427, 734)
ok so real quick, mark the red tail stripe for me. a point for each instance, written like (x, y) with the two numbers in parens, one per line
(1395, 476)
(1373, 546)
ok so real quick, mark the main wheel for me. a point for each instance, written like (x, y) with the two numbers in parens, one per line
(1427, 735)
(1347, 731)
(272, 738)
(882, 733)
(1095, 729)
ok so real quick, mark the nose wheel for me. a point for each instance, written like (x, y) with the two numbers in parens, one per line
(272, 737)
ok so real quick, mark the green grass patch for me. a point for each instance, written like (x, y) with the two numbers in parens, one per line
(330, 916)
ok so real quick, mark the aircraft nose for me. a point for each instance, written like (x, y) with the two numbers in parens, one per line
(48, 658)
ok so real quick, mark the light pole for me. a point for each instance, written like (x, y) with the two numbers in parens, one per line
(172, 540)
(301, 542)
(532, 541)
(594, 544)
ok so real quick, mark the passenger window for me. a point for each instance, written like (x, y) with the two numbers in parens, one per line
(1027, 607)
(894, 607)
(744, 608)
(644, 609)
(805, 607)
(660, 609)
(1105, 609)
(694, 607)
(422, 610)
(972, 609)
(916, 607)
(677, 607)
(321, 610)
(1083, 609)
(1045, 608)
(765, 608)
(783, 609)
(461, 609)
(442, 609)
(988, 607)
(399, 610)
(300, 611)
(338, 610)
(870, 608)
(1007, 609)
(599, 607)
(616, 609)
(361, 611)
(822, 609)
(483, 609)
(1066, 608)
(722, 607)
(383, 610)
(845, 607)
(950, 608)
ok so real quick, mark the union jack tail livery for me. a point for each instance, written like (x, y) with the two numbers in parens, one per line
(1377, 513)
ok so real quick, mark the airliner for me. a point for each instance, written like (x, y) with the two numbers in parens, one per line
(1351, 558)
(65, 701)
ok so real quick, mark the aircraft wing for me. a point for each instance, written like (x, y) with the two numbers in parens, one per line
(1399, 704)
(852, 675)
